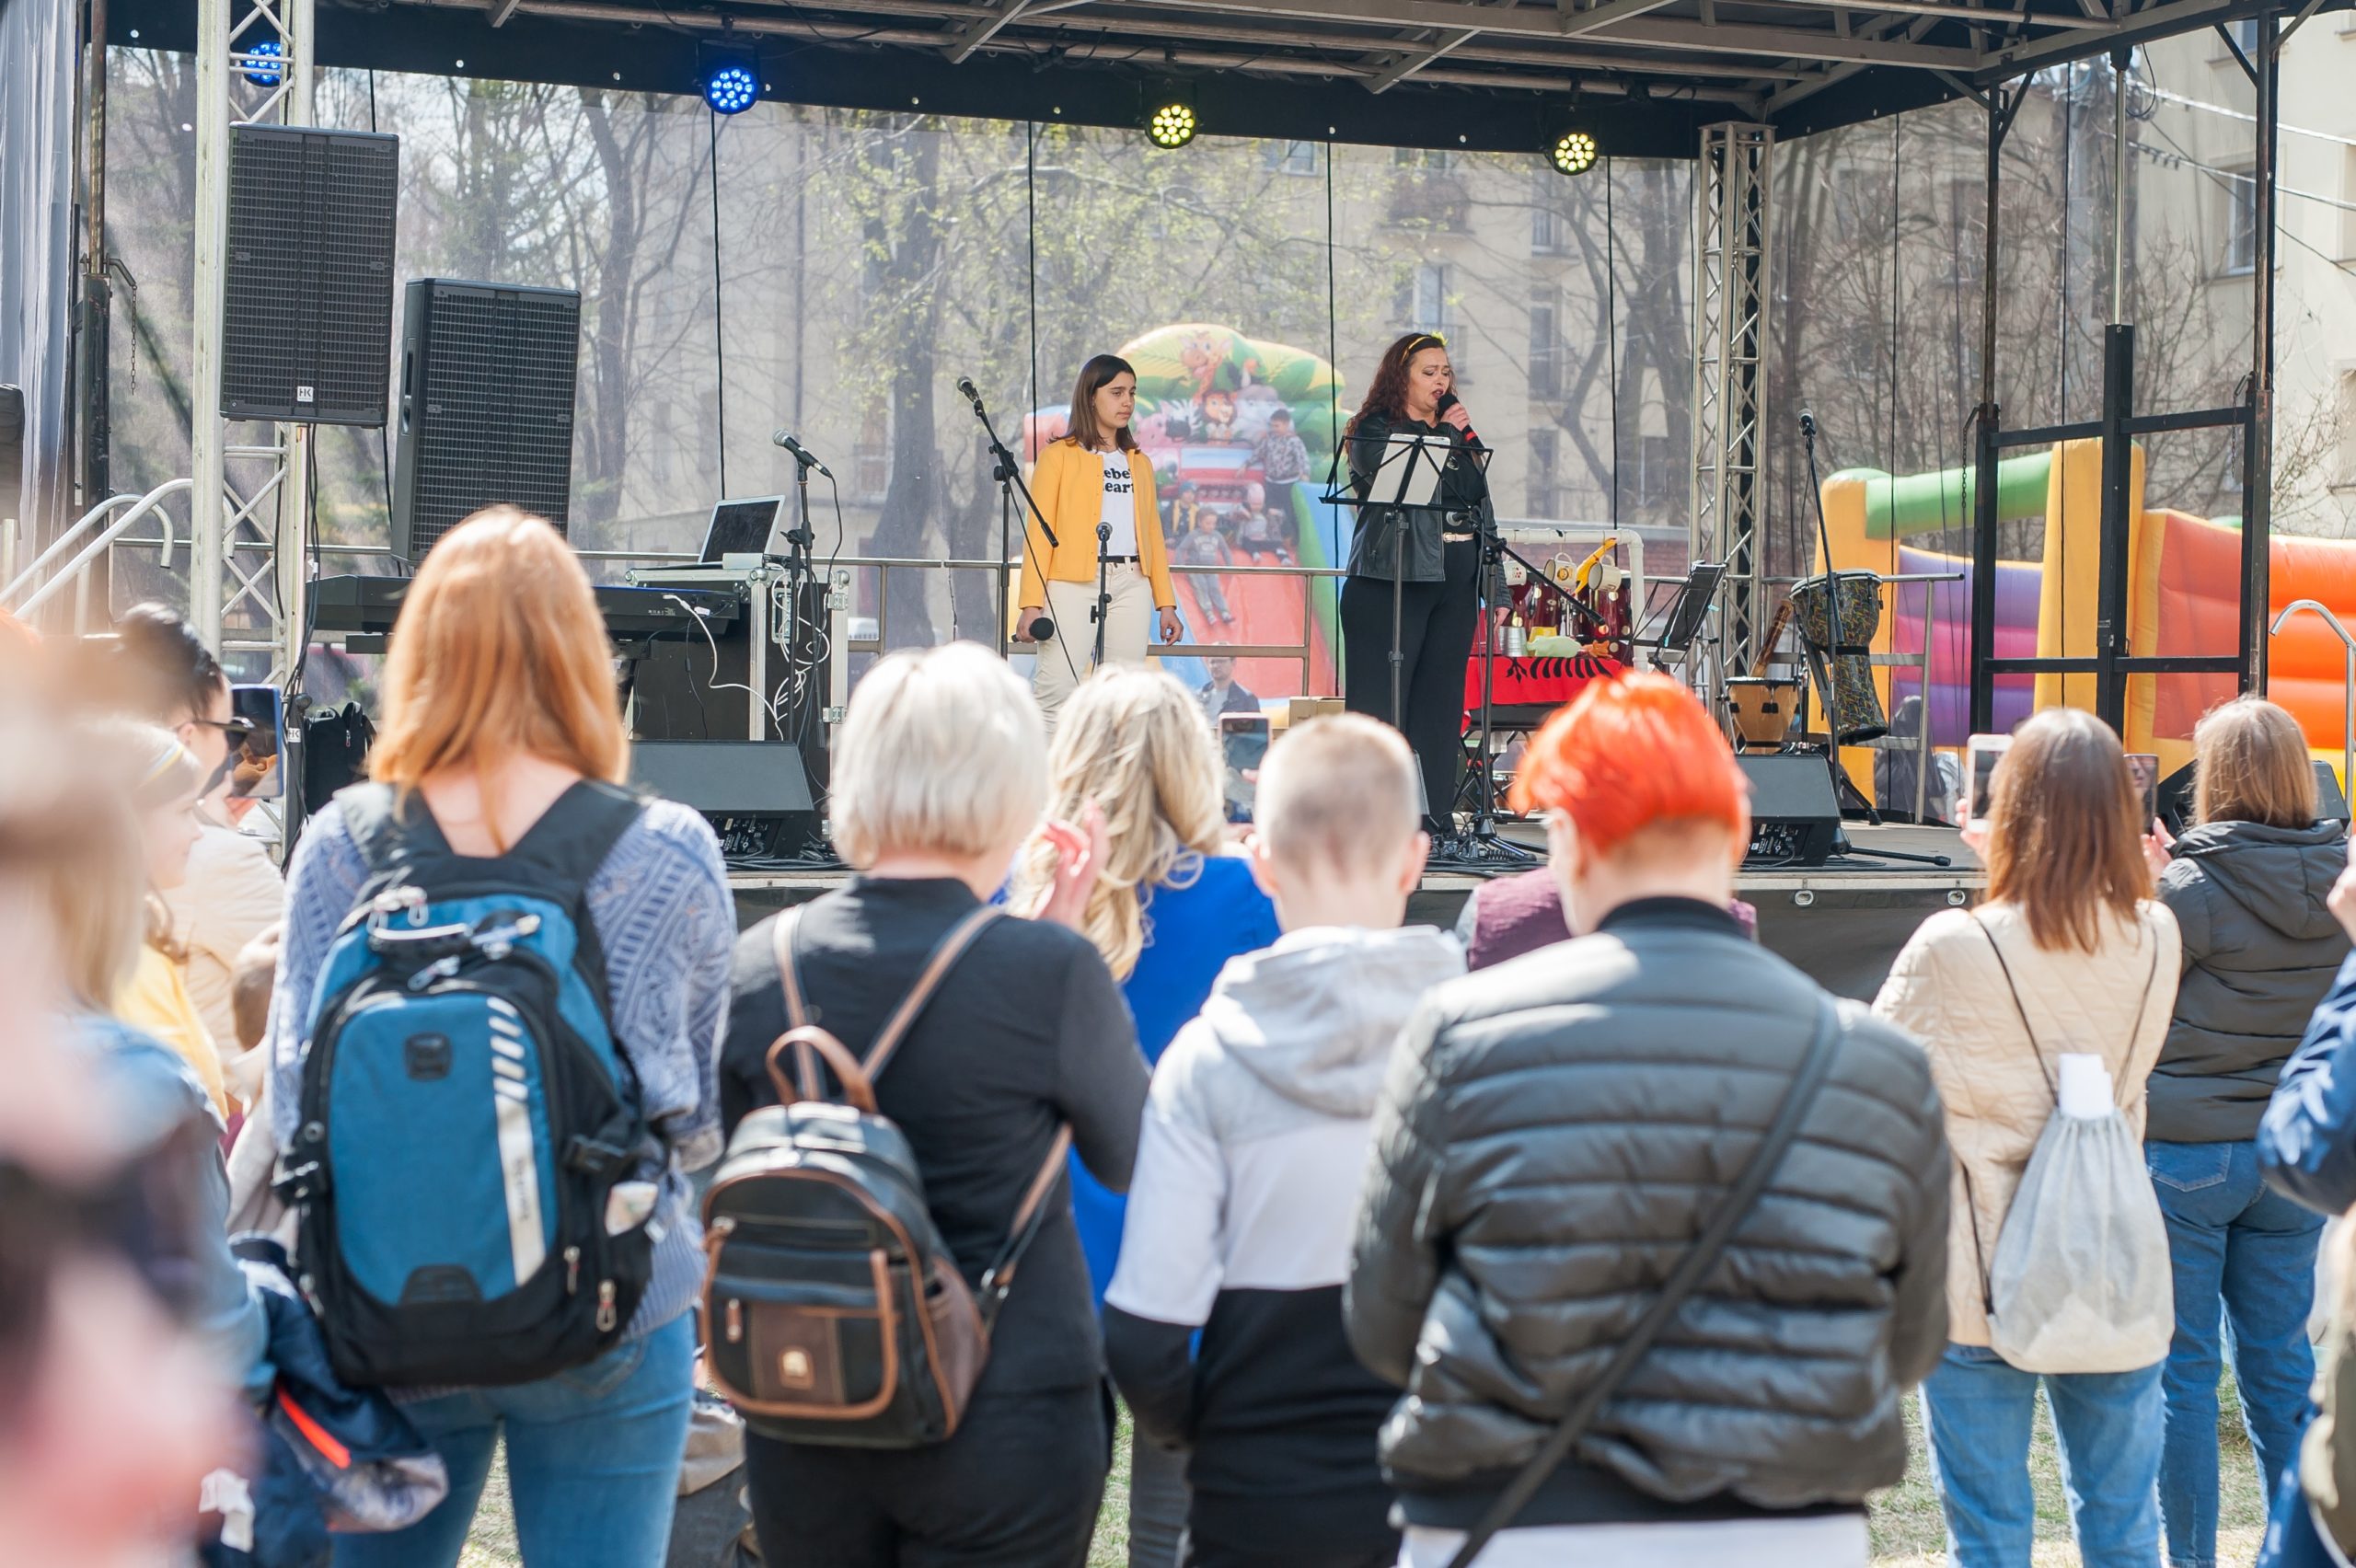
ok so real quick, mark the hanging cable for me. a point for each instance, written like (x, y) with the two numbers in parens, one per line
(719, 333)
(1890, 459)
(1611, 333)
(1332, 365)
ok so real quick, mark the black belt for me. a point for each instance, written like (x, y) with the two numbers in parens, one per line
(1121, 560)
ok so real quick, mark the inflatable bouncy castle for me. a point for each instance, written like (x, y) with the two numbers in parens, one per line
(2183, 596)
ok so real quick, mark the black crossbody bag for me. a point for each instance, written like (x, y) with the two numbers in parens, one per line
(1691, 1270)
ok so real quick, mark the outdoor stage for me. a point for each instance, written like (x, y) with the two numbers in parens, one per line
(1841, 923)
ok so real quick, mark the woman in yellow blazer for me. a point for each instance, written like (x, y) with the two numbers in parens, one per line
(1093, 476)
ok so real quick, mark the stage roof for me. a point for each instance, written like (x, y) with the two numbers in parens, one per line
(1500, 75)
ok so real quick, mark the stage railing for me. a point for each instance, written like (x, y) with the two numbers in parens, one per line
(878, 571)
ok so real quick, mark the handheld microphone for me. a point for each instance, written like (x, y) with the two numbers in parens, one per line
(965, 385)
(1447, 401)
(1042, 630)
(800, 452)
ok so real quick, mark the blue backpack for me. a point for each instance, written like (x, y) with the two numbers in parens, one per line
(466, 1115)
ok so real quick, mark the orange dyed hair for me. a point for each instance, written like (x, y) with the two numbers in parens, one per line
(1628, 755)
(498, 649)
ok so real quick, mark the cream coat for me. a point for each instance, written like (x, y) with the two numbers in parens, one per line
(1948, 989)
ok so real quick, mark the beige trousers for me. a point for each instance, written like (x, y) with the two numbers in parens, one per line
(1065, 659)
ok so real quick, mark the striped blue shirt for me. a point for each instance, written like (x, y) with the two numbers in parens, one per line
(667, 922)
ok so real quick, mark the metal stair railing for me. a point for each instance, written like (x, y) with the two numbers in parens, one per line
(73, 571)
(2348, 688)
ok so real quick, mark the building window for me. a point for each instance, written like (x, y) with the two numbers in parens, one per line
(1292, 158)
(1433, 159)
(1546, 221)
(1545, 352)
(1655, 483)
(2241, 224)
(1427, 299)
(1539, 487)
(2343, 476)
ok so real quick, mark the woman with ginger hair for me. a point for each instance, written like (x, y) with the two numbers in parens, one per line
(499, 704)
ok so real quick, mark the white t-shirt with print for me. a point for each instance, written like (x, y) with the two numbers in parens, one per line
(1120, 504)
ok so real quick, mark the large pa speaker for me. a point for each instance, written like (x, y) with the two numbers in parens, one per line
(486, 405)
(1794, 816)
(307, 319)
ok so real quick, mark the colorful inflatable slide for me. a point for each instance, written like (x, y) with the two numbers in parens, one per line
(2184, 574)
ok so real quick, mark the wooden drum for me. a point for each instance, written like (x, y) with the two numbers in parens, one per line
(1763, 710)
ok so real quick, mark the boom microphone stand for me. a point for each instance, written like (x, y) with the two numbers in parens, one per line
(1008, 474)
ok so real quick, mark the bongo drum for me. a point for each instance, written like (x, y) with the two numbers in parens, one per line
(1763, 710)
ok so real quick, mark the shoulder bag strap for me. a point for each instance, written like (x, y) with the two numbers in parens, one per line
(1029, 1216)
(1691, 1270)
(944, 957)
(2039, 1050)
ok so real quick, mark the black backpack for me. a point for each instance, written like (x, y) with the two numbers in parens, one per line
(467, 1115)
(833, 1312)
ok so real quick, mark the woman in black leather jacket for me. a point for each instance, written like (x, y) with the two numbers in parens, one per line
(1414, 393)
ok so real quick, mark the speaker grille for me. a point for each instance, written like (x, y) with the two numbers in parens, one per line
(308, 295)
(487, 394)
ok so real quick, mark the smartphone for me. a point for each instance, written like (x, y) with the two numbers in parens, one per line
(1981, 754)
(1243, 742)
(255, 770)
(2144, 769)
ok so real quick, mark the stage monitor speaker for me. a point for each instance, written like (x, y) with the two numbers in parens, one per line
(486, 405)
(756, 794)
(1794, 816)
(307, 298)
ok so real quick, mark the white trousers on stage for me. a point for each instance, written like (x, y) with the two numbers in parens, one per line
(1065, 659)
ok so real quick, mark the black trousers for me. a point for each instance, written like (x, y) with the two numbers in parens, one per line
(1438, 621)
(1017, 1487)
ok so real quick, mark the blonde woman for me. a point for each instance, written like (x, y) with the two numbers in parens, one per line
(161, 778)
(2246, 885)
(940, 775)
(1167, 912)
(2070, 954)
(500, 708)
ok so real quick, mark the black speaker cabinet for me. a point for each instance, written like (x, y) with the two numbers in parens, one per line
(1794, 816)
(308, 295)
(486, 405)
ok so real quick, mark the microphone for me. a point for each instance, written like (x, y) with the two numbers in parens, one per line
(965, 385)
(1447, 401)
(800, 452)
(1807, 422)
(1041, 630)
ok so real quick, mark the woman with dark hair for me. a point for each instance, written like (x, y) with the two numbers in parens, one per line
(1413, 394)
(1095, 495)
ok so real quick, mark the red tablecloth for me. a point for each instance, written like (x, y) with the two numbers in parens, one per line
(1535, 682)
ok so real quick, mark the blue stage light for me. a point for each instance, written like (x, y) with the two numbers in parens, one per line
(262, 62)
(731, 90)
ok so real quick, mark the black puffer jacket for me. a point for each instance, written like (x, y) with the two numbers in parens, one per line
(2259, 951)
(1554, 1133)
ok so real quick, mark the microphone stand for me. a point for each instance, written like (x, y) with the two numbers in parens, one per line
(1007, 476)
(1103, 589)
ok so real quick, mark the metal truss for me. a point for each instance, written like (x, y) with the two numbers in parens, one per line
(1730, 293)
(250, 500)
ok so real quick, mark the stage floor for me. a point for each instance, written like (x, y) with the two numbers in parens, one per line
(1842, 923)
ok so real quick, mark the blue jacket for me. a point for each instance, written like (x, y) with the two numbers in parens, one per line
(2306, 1145)
(1191, 932)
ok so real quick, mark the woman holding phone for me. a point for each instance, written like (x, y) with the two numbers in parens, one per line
(1094, 489)
(1435, 588)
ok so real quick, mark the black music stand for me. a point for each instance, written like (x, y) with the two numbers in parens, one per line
(1686, 613)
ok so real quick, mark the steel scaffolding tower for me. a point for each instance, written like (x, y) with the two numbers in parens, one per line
(1730, 292)
(265, 603)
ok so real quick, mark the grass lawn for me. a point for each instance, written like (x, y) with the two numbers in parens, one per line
(1906, 1529)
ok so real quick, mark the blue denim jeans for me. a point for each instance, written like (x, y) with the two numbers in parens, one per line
(1980, 1411)
(592, 1461)
(2235, 1242)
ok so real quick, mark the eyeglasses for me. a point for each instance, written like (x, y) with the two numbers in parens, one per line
(238, 731)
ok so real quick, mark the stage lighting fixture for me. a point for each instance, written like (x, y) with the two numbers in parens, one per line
(1573, 153)
(1173, 124)
(731, 88)
(263, 62)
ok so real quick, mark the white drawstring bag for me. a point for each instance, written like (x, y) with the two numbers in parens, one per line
(2081, 1281)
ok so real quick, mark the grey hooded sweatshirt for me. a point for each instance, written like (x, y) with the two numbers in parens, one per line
(2259, 951)
(1241, 1214)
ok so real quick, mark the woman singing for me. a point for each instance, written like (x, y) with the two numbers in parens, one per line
(1413, 394)
(1093, 475)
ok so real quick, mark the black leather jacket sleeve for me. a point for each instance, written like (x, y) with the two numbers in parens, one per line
(1395, 1263)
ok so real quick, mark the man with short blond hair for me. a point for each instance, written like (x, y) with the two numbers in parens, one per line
(1223, 1324)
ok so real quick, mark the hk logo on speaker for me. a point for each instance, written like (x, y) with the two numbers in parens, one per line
(304, 395)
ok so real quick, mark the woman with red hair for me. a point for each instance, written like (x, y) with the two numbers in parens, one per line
(1556, 1132)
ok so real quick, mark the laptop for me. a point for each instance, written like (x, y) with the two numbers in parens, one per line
(744, 527)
